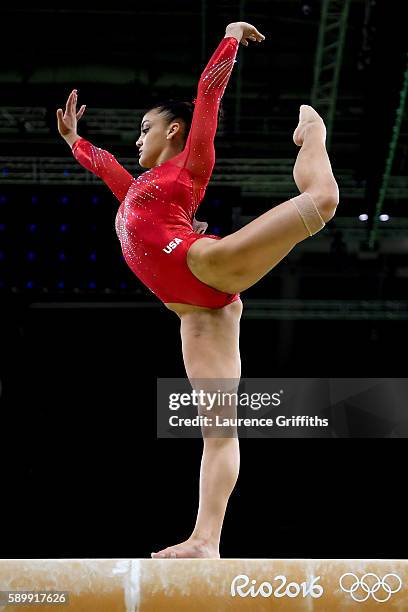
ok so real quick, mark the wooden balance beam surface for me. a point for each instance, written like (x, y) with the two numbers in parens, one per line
(210, 585)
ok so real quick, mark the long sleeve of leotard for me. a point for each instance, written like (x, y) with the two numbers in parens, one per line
(199, 149)
(104, 165)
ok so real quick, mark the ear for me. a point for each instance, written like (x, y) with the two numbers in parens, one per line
(174, 127)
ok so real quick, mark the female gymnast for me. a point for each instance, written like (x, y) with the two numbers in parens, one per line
(196, 276)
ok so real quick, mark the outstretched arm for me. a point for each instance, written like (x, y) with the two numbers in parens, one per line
(96, 160)
(199, 153)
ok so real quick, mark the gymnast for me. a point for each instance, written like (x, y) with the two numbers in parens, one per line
(199, 277)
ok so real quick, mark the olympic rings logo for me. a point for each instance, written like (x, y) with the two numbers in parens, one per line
(371, 589)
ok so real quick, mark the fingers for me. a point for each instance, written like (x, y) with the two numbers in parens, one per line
(81, 112)
(258, 35)
(254, 36)
(60, 117)
(74, 102)
(69, 102)
(70, 107)
(62, 128)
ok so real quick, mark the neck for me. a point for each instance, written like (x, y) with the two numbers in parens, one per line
(167, 154)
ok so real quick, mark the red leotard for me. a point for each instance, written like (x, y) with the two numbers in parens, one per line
(154, 220)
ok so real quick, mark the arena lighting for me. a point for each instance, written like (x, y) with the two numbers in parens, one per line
(3, 199)
(95, 199)
(31, 255)
(123, 285)
(34, 199)
(62, 256)
(92, 285)
(32, 227)
(61, 285)
(64, 200)
(363, 217)
(307, 9)
(92, 257)
(63, 227)
(30, 284)
(384, 217)
(2, 227)
(1, 255)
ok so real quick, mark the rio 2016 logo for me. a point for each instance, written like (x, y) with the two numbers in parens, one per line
(266, 589)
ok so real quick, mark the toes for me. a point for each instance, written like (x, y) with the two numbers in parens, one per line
(302, 110)
(159, 555)
(165, 554)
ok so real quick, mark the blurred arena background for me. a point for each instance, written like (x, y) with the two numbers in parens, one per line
(82, 340)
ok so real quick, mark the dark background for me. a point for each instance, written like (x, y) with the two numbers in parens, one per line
(82, 341)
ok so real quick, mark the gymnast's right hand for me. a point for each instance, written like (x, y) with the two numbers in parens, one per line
(67, 122)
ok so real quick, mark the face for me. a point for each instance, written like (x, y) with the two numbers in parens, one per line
(155, 135)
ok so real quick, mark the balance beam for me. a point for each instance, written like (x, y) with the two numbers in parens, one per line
(207, 585)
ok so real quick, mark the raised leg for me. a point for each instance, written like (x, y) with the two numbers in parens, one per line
(239, 260)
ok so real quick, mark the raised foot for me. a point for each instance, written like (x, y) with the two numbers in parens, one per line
(307, 117)
(190, 549)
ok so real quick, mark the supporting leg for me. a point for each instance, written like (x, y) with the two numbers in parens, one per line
(211, 356)
(218, 476)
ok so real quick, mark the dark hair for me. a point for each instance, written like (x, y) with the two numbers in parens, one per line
(179, 109)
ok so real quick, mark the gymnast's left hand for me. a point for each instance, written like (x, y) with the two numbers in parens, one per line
(199, 226)
(243, 31)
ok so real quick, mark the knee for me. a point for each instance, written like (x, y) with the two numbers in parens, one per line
(326, 199)
(215, 443)
(201, 258)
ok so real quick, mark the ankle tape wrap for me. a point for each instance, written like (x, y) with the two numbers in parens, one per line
(309, 213)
